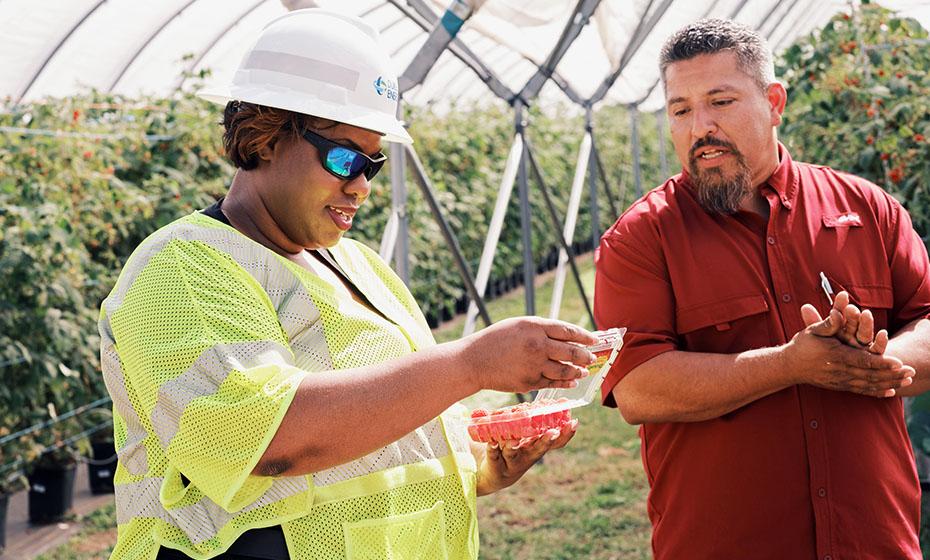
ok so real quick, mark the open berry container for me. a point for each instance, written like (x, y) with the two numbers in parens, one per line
(552, 407)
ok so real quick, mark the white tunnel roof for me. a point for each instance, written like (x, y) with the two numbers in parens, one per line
(59, 47)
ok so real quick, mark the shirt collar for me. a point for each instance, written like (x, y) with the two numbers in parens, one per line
(784, 180)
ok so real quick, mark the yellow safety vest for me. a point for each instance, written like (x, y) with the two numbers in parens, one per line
(205, 337)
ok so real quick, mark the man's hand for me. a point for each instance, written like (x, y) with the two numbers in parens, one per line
(825, 356)
(505, 464)
(858, 330)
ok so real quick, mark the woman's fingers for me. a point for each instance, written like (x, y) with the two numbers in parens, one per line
(568, 352)
(560, 330)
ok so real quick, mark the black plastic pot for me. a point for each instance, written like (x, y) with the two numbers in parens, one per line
(51, 493)
(4, 502)
(100, 471)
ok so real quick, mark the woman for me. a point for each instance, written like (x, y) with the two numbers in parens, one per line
(277, 391)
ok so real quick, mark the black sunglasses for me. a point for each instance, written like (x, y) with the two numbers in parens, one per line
(344, 162)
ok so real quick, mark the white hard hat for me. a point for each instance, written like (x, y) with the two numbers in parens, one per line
(321, 63)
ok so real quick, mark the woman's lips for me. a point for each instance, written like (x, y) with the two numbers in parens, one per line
(341, 216)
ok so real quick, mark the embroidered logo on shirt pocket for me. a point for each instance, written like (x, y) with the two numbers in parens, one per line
(846, 219)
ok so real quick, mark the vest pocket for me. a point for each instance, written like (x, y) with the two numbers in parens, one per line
(419, 535)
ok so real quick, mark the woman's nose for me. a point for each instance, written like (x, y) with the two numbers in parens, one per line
(359, 187)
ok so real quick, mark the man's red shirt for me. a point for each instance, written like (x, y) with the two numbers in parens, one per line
(803, 473)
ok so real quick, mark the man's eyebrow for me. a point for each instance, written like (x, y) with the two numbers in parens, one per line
(719, 89)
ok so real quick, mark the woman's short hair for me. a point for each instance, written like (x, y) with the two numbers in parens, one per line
(249, 127)
(709, 36)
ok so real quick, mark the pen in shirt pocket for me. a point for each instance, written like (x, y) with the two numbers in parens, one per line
(827, 288)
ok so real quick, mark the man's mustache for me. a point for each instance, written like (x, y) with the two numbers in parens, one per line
(711, 141)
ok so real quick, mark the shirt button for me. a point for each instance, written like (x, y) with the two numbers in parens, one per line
(771, 240)
(822, 492)
(814, 424)
(786, 298)
(827, 557)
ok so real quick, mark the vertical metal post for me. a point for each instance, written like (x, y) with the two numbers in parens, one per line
(611, 196)
(571, 217)
(663, 143)
(565, 245)
(634, 141)
(395, 239)
(529, 267)
(592, 180)
(494, 230)
(451, 241)
(399, 205)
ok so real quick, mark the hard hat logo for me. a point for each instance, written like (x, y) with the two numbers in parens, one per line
(388, 87)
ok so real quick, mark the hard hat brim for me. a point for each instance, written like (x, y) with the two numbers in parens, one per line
(390, 128)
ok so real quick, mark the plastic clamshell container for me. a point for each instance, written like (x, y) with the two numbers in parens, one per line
(552, 407)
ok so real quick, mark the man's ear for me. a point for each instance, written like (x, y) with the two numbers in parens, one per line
(777, 98)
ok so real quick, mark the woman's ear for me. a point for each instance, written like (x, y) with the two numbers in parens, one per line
(266, 152)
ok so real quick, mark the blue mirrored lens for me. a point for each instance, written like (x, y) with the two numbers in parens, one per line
(344, 162)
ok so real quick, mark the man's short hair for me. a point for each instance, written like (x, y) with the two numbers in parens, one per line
(709, 36)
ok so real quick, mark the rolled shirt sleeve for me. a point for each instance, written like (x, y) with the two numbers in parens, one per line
(632, 290)
(910, 270)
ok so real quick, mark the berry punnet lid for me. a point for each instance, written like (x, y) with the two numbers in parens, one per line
(605, 350)
(552, 407)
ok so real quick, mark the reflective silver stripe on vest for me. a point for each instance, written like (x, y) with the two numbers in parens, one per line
(303, 67)
(297, 314)
(426, 442)
(201, 521)
(205, 376)
(300, 320)
(132, 454)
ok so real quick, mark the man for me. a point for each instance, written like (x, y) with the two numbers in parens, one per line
(767, 432)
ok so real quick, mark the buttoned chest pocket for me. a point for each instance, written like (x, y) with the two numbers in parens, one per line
(874, 294)
(726, 325)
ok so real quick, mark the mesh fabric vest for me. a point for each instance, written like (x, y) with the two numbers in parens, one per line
(205, 338)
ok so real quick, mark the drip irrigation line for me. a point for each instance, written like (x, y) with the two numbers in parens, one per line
(60, 418)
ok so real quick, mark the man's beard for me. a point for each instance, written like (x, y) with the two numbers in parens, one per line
(717, 193)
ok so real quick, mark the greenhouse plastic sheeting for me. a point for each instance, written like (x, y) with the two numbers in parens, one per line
(59, 47)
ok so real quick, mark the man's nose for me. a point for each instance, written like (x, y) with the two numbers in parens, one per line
(703, 124)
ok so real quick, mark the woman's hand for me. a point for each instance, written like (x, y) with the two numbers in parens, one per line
(505, 464)
(525, 353)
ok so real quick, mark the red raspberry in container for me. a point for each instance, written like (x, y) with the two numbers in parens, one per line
(552, 407)
(513, 423)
